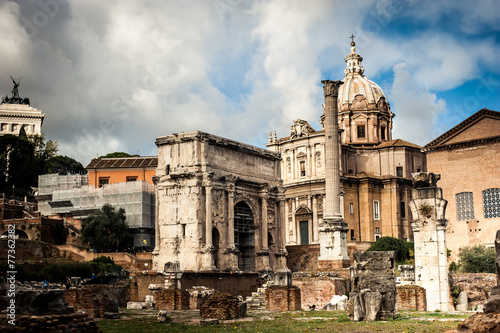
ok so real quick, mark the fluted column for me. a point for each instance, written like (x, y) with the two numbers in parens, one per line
(231, 251)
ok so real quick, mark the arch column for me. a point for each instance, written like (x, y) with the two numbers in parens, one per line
(208, 249)
(264, 251)
(231, 251)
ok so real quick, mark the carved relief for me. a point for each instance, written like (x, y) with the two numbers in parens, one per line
(359, 103)
(300, 128)
(218, 204)
(289, 164)
(320, 202)
(318, 159)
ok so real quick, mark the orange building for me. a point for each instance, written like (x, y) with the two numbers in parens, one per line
(105, 170)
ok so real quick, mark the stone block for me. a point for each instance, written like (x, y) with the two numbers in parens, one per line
(462, 302)
(162, 316)
(372, 301)
(134, 305)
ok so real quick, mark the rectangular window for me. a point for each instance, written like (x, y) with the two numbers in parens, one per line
(377, 230)
(103, 181)
(352, 235)
(465, 206)
(382, 132)
(361, 131)
(399, 171)
(351, 208)
(376, 211)
(402, 208)
(491, 203)
(302, 168)
(131, 178)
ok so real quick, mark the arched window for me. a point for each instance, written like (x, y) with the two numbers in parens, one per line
(465, 206)
(491, 203)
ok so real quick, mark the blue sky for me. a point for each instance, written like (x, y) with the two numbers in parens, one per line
(114, 75)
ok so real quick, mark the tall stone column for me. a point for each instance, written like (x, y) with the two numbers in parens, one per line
(231, 251)
(429, 232)
(208, 249)
(333, 230)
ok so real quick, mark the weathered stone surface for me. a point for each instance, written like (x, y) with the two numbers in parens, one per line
(480, 323)
(492, 305)
(373, 287)
(462, 302)
(134, 305)
(37, 302)
(162, 316)
(372, 302)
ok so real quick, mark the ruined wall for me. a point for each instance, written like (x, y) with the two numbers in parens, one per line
(95, 300)
(139, 287)
(318, 288)
(32, 250)
(235, 284)
(170, 299)
(72, 322)
(477, 286)
(411, 298)
(282, 298)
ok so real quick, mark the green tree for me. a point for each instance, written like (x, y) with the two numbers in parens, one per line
(403, 250)
(22, 159)
(64, 164)
(108, 230)
(117, 154)
(477, 259)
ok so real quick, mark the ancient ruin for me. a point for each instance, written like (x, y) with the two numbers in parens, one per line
(429, 232)
(373, 286)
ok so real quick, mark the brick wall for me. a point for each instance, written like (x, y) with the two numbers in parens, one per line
(318, 289)
(221, 306)
(171, 299)
(139, 286)
(411, 297)
(96, 299)
(282, 298)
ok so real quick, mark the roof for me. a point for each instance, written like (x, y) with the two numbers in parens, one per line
(443, 139)
(397, 143)
(123, 162)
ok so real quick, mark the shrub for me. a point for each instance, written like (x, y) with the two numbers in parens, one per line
(477, 259)
(103, 264)
(403, 250)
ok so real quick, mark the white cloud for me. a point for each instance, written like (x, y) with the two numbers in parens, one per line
(416, 109)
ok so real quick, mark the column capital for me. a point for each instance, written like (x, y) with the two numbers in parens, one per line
(331, 88)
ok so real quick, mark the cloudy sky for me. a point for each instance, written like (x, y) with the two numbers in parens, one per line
(114, 75)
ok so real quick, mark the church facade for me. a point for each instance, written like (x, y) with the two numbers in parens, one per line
(375, 169)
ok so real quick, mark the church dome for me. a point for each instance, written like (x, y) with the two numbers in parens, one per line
(358, 92)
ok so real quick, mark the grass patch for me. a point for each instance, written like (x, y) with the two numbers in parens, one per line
(273, 322)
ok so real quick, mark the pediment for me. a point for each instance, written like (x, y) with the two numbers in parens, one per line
(301, 154)
(360, 115)
(481, 125)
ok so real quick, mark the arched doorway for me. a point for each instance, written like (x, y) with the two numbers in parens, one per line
(244, 236)
(304, 217)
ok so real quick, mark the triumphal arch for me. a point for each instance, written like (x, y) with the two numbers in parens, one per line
(219, 205)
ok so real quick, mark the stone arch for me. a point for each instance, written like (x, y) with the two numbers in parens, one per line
(18, 235)
(244, 235)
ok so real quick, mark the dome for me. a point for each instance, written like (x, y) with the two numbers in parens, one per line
(358, 92)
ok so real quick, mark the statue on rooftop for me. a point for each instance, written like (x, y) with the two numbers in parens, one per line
(15, 99)
(15, 91)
